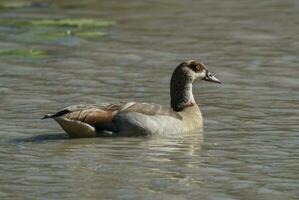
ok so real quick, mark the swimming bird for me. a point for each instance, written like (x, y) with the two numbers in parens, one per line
(140, 119)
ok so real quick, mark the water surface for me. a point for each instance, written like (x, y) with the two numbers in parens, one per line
(249, 147)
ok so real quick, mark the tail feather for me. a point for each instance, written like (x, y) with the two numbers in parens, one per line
(58, 114)
(46, 116)
(86, 120)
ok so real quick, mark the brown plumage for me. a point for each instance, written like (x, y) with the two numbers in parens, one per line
(92, 116)
(101, 116)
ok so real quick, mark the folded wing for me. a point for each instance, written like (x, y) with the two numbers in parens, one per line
(97, 119)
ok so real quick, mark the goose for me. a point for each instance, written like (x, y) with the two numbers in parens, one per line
(140, 119)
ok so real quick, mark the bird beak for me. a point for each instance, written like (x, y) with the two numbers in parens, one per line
(210, 77)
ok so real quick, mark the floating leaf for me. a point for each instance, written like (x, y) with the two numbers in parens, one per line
(23, 53)
(54, 31)
(90, 34)
(15, 4)
(70, 22)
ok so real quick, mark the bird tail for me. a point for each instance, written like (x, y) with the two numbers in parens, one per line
(47, 116)
(58, 114)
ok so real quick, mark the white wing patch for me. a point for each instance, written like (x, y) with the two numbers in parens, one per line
(76, 129)
(127, 105)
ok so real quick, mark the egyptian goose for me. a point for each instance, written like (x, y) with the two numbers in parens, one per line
(139, 119)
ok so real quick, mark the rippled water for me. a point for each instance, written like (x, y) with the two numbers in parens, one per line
(249, 147)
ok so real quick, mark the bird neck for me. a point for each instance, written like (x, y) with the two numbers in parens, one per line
(181, 94)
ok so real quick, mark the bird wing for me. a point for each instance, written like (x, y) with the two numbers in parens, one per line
(149, 109)
(87, 120)
(95, 115)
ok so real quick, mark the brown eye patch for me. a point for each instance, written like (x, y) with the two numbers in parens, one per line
(200, 67)
(196, 66)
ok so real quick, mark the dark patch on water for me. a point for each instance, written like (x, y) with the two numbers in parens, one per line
(41, 138)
